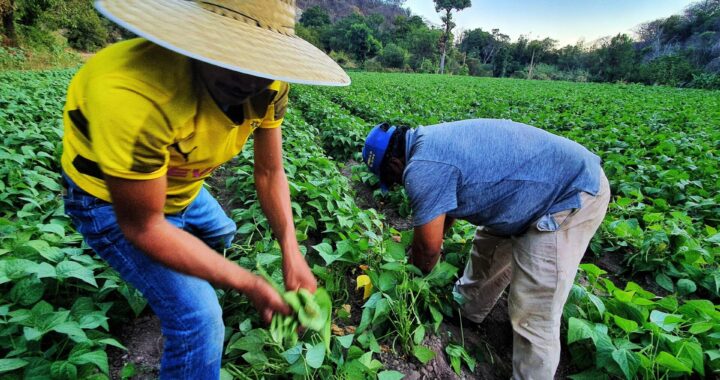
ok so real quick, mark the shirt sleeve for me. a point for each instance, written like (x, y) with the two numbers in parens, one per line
(276, 111)
(432, 188)
(129, 133)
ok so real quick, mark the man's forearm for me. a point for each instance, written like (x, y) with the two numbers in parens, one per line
(274, 196)
(183, 252)
(423, 258)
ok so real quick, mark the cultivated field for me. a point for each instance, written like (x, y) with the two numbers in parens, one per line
(645, 304)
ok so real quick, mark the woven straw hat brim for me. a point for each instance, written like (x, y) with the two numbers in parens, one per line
(185, 27)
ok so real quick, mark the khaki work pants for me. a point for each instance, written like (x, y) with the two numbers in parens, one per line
(540, 267)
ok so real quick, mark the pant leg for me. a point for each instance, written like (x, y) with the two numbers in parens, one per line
(486, 276)
(206, 219)
(544, 268)
(188, 308)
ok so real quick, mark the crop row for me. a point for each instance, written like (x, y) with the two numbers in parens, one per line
(660, 148)
(59, 302)
(631, 337)
(56, 296)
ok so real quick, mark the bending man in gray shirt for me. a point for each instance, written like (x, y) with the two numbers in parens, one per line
(537, 198)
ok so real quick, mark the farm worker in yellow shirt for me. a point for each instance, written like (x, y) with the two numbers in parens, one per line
(147, 120)
(536, 198)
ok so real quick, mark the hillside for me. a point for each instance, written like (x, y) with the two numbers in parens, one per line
(338, 9)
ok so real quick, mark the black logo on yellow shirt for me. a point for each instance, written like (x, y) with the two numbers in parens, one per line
(186, 155)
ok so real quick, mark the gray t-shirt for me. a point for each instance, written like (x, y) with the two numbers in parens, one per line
(496, 173)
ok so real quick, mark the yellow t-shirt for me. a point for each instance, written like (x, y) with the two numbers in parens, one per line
(135, 111)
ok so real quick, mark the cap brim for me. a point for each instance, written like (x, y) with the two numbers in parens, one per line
(187, 28)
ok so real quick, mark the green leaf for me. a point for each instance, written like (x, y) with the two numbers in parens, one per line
(326, 252)
(315, 356)
(345, 341)
(255, 358)
(394, 251)
(701, 328)
(31, 333)
(98, 358)
(56, 229)
(627, 361)
(693, 352)
(292, 355)
(253, 341)
(112, 342)
(423, 354)
(68, 269)
(714, 239)
(672, 363)
(598, 303)
(382, 310)
(390, 375)
(63, 370)
(72, 330)
(387, 281)
(419, 335)
(44, 270)
(7, 365)
(579, 329)
(686, 286)
(627, 325)
(713, 354)
(667, 322)
(592, 269)
(27, 291)
(665, 282)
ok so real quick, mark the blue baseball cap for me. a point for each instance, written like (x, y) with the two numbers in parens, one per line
(376, 144)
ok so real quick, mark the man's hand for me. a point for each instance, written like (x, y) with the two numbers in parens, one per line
(426, 245)
(297, 274)
(266, 299)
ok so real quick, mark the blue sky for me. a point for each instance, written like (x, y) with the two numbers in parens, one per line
(564, 20)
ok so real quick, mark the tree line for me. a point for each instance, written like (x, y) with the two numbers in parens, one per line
(680, 50)
(380, 35)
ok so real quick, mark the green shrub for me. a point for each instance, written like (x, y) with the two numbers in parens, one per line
(343, 59)
(372, 65)
(87, 33)
(671, 70)
(706, 81)
(394, 56)
(11, 58)
(427, 66)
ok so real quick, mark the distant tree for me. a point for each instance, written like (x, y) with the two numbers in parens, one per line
(448, 6)
(361, 41)
(571, 57)
(422, 45)
(311, 35)
(616, 59)
(7, 14)
(393, 56)
(315, 17)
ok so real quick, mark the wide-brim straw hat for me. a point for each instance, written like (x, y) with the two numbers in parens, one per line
(255, 37)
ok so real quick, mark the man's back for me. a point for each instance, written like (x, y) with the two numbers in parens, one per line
(495, 173)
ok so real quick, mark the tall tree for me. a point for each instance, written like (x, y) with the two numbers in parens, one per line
(448, 6)
(7, 14)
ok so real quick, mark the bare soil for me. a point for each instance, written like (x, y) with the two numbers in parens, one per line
(144, 343)
(364, 199)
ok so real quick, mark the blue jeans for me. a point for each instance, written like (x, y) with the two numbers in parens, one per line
(188, 308)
